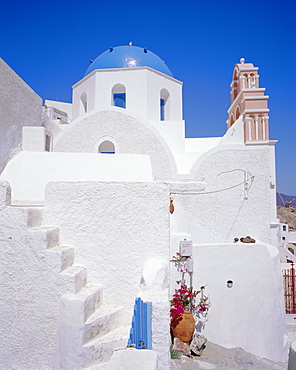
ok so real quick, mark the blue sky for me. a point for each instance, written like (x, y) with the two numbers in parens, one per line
(49, 44)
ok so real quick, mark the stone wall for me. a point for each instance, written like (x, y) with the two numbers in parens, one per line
(19, 106)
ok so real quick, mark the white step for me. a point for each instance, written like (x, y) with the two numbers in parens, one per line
(60, 258)
(104, 320)
(84, 303)
(34, 216)
(72, 280)
(100, 350)
(74, 310)
(49, 236)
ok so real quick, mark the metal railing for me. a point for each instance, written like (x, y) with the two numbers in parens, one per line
(290, 289)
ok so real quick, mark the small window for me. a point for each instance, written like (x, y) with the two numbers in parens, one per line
(162, 104)
(106, 147)
(119, 100)
(284, 228)
(283, 238)
(118, 96)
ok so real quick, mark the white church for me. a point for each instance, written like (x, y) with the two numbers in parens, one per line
(85, 193)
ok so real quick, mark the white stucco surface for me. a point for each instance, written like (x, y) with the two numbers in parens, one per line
(132, 135)
(235, 133)
(29, 292)
(20, 106)
(143, 86)
(227, 206)
(29, 172)
(114, 225)
(292, 357)
(70, 287)
(115, 228)
(33, 139)
(201, 144)
(131, 358)
(65, 107)
(251, 313)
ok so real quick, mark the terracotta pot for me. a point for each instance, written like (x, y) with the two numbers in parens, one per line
(183, 327)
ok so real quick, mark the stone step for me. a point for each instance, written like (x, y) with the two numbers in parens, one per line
(45, 236)
(60, 258)
(34, 216)
(83, 304)
(72, 279)
(99, 351)
(105, 319)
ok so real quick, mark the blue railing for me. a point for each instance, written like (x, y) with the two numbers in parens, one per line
(140, 333)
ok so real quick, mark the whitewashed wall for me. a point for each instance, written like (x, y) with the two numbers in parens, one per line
(19, 106)
(28, 173)
(132, 136)
(212, 215)
(251, 314)
(28, 291)
(114, 227)
(143, 86)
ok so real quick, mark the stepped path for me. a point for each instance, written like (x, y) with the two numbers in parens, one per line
(88, 330)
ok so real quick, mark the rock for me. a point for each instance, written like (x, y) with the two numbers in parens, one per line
(198, 344)
(181, 347)
(247, 239)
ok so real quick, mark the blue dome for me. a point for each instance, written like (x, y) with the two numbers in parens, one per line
(128, 57)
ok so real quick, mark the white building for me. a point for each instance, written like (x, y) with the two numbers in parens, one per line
(79, 221)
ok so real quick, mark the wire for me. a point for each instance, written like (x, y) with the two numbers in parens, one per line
(214, 191)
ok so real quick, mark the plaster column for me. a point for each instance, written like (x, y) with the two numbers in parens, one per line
(256, 128)
(247, 128)
(257, 81)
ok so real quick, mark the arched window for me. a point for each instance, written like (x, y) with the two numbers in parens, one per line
(237, 112)
(253, 81)
(119, 96)
(231, 120)
(106, 147)
(83, 103)
(164, 105)
(246, 81)
(235, 85)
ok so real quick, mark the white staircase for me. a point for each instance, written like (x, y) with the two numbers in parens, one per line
(88, 330)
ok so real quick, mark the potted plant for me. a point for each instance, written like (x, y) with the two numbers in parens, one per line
(185, 302)
(183, 306)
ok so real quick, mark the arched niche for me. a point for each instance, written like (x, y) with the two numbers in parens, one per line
(107, 145)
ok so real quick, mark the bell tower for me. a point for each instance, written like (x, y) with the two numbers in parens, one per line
(248, 100)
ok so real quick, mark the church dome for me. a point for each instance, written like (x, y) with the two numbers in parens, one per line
(128, 57)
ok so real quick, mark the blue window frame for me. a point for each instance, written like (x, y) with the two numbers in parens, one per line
(119, 100)
(162, 105)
